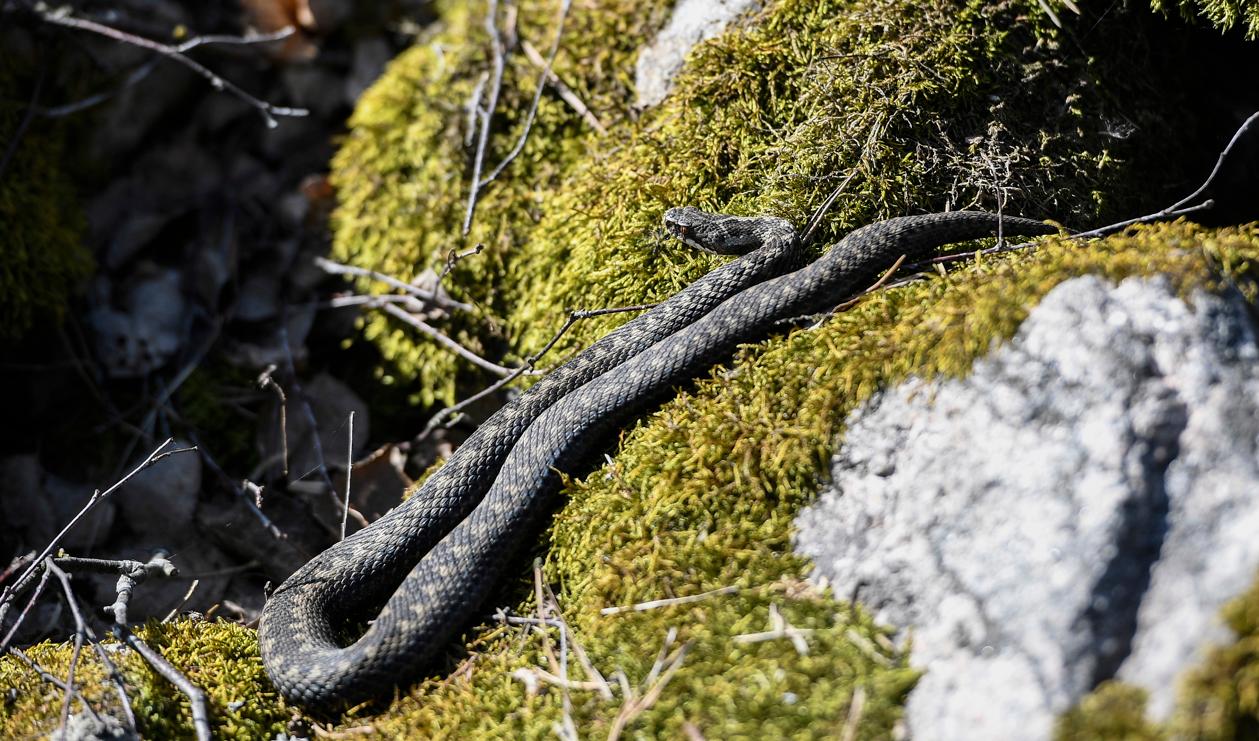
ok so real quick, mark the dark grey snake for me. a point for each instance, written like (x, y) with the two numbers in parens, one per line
(424, 569)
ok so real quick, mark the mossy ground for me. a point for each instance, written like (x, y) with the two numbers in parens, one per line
(221, 658)
(925, 105)
(42, 255)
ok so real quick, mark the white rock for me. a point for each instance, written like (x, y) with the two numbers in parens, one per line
(1013, 518)
(693, 21)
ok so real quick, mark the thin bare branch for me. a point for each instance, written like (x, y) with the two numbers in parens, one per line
(657, 603)
(349, 471)
(17, 623)
(141, 72)
(98, 496)
(80, 633)
(266, 380)
(537, 97)
(316, 444)
(451, 412)
(252, 503)
(432, 297)
(446, 341)
(561, 88)
(62, 17)
(499, 54)
(196, 696)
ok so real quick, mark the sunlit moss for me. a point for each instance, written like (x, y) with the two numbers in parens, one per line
(924, 105)
(221, 658)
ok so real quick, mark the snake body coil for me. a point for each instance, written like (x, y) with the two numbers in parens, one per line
(427, 565)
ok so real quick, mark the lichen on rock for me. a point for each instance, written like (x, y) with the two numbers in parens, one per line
(1052, 518)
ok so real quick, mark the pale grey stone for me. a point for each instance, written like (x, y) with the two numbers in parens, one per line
(693, 21)
(39, 504)
(1010, 520)
(162, 498)
(139, 326)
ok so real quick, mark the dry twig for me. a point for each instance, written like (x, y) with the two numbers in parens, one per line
(61, 17)
(537, 97)
(499, 53)
(528, 366)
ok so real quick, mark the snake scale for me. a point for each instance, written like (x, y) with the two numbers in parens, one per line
(423, 570)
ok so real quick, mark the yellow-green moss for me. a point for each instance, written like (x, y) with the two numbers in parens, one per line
(42, 256)
(221, 658)
(1223, 14)
(402, 175)
(953, 102)
(1216, 701)
(1113, 712)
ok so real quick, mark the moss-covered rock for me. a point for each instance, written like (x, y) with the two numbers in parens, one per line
(221, 658)
(42, 255)
(699, 499)
(915, 106)
(1219, 699)
(402, 175)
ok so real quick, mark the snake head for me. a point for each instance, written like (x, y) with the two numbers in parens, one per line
(719, 234)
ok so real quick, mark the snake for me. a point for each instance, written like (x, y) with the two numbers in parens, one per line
(420, 573)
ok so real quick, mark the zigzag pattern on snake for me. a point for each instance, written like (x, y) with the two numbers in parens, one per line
(426, 566)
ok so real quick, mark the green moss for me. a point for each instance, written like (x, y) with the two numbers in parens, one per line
(42, 256)
(1223, 14)
(1113, 712)
(221, 658)
(403, 173)
(948, 103)
(1220, 699)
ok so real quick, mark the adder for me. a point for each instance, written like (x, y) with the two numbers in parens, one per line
(421, 572)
